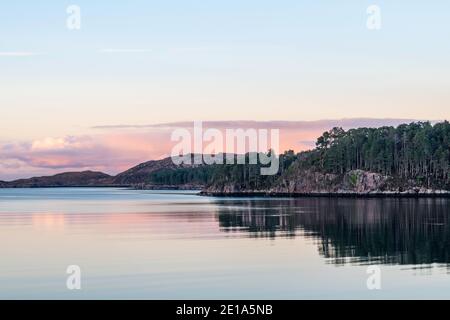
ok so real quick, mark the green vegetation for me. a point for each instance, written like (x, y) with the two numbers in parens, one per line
(246, 176)
(353, 179)
(418, 152)
(201, 175)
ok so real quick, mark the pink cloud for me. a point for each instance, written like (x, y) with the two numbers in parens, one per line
(109, 152)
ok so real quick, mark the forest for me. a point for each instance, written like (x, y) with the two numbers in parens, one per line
(418, 151)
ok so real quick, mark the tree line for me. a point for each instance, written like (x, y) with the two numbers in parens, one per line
(419, 151)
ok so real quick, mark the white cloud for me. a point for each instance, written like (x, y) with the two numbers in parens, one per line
(68, 142)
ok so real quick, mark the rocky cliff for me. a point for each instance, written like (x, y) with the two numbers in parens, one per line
(309, 182)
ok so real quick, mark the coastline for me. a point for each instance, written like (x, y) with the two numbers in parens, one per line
(263, 194)
(260, 194)
(61, 187)
(324, 195)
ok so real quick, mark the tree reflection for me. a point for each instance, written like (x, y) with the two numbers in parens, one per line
(386, 231)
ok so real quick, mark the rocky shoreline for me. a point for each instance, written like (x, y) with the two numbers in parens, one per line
(308, 183)
(187, 187)
(390, 194)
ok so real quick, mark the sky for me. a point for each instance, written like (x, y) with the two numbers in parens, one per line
(140, 63)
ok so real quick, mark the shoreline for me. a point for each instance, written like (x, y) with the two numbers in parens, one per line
(263, 194)
(322, 195)
(60, 187)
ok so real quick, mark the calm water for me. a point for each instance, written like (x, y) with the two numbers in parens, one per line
(167, 245)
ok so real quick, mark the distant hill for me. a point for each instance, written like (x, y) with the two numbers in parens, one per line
(152, 174)
(164, 174)
(142, 172)
(68, 179)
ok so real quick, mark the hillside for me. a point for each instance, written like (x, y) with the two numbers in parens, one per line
(149, 175)
(142, 172)
(68, 179)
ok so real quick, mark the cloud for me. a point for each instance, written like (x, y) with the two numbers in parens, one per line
(345, 123)
(51, 153)
(69, 142)
(111, 153)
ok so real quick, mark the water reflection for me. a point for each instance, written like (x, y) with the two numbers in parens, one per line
(356, 231)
